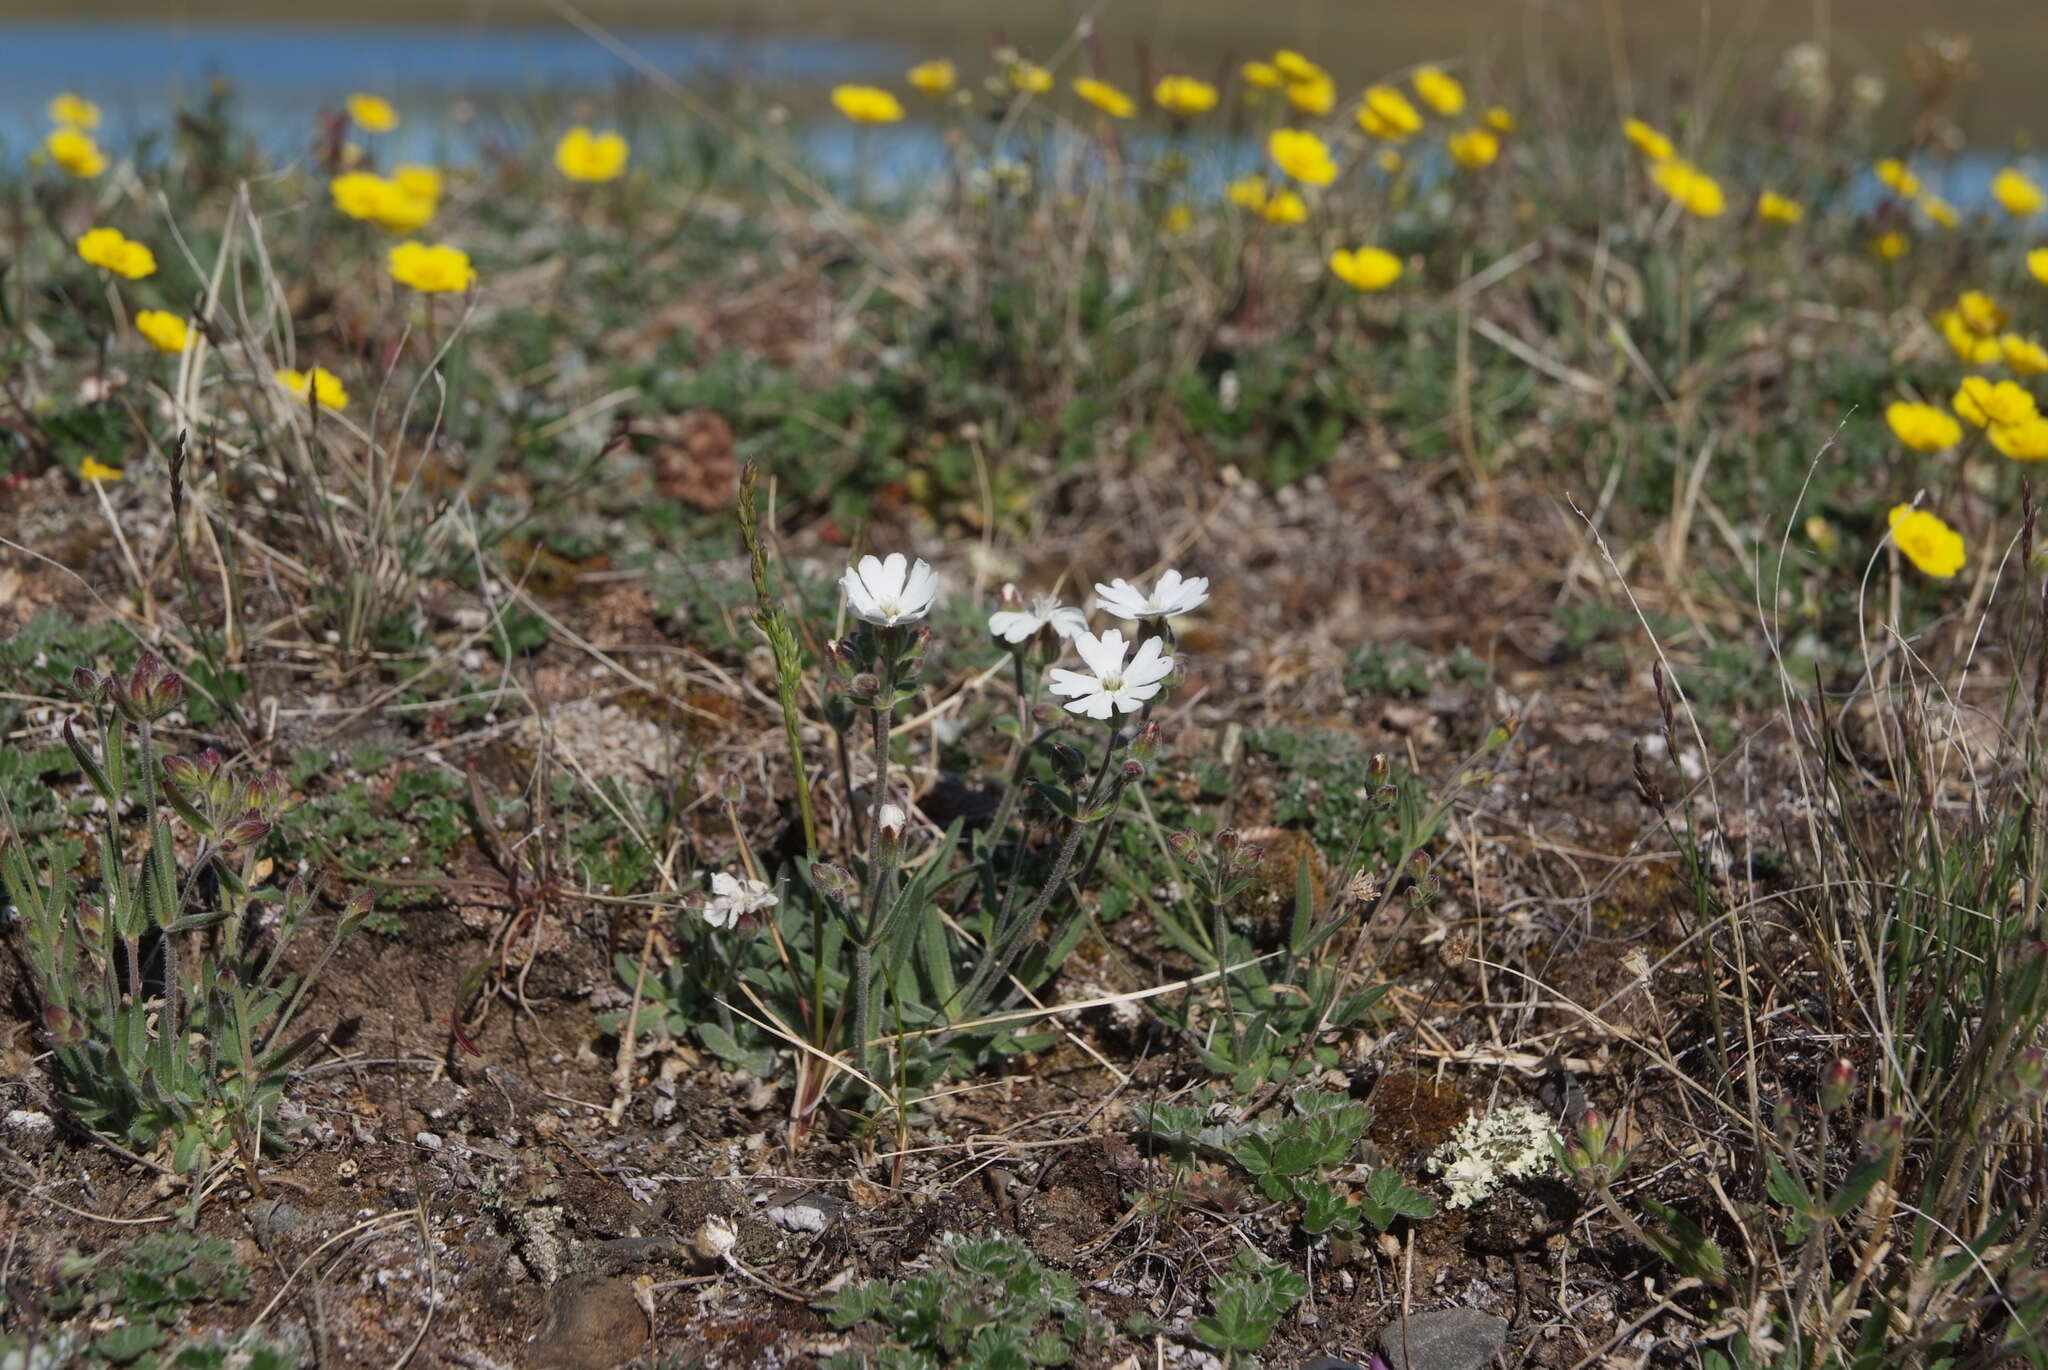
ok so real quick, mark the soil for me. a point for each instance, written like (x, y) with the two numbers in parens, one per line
(466, 1196)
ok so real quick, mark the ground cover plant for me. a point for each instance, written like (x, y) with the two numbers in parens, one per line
(1066, 707)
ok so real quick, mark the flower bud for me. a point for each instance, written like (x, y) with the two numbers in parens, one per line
(839, 656)
(1145, 745)
(1883, 1135)
(151, 690)
(1068, 761)
(267, 793)
(834, 882)
(246, 831)
(1011, 600)
(1249, 856)
(1185, 845)
(732, 789)
(1836, 1084)
(92, 920)
(865, 687)
(90, 684)
(1133, 769)
(1226, 841)
(1376, 769)
(354, 911)
(182, 771)
(890, 829)
(60, 1027)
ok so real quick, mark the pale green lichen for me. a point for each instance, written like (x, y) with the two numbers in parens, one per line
(1489, 1149)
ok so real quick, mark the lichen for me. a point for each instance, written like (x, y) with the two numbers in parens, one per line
(1487, 1150)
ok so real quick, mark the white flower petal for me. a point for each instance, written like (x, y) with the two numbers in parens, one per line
(857, 597)
(1097, 705)
(1012, 625)
(1063, 682)
(1068, 622)
(920, 590)
(1104, 655)
(889, 587)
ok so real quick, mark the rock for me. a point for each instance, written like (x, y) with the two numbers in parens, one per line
(29, 1131)
(595, 1324)
(1448, 1339)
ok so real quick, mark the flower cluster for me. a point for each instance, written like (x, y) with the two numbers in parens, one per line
(402, 202)
(112, 250)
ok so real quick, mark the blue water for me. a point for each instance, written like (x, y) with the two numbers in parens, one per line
(140, 72)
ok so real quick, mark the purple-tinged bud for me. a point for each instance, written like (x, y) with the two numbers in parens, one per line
(1249, 856)
(1185, 845)
(1837, 1082)
(1145, 745)
(890, 824)
(183, 772)
(1883, 1135)
(246, 831)
(1011, 600)
(1133, 769)
(1068, 761)
(90, 684)
(269, 792)
(834, 882)
(839, 656)
(92, 919)
(1226, 841)
(1376, 769)
(865, 687)
(732, 788)
(355, 910)
(60, 1026)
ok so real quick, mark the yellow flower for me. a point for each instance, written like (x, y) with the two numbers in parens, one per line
(1389, 160)
(1292, 66)
(1184, 96)
(1030, 78)
(1263, 75)
(1940, 211)
(1248, 192)
(1774, 208)
(1302, 155)
(1698, 193)
(2023, 355)
(1898, 176)
(432, 269)
(1928, 543)
(2023, 441)
(1316, 96)
(2018, 196)
(167, 332)
(1889, 247)
(586, 156)
(111, 249)
(1984, 403)
(1366, 268)
(1439, 90)
(372, 113)
(867, 104)
(1923, 427)
(1500, 119)
(1648, 141)
(1980, 311)
(933, 78)
(1285, 207)
(76, 152)
(1474, 148)
(325, 387)
(73, 111)
(420, 182)
(1105, 97)
(366, 195)
(2037, 262)
(98, 472)
(1970, 346)
(1387, 114)
(1179, 219)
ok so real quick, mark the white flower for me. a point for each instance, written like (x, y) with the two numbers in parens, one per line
(890, 592)
(1112, 685)
(892, 819)
(1016, 621)
(1170, 596)
(732, 898)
